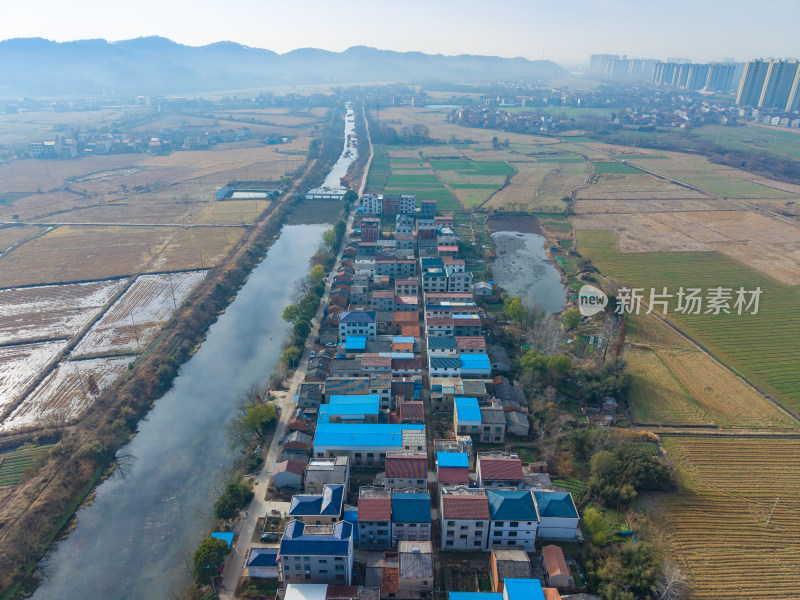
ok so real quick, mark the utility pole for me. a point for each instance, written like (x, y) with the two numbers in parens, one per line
(773, 510)
(172, 289)
(80, 379)
(136, 333)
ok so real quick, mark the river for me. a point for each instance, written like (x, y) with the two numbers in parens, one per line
(349, 153)
(134, 539)
(523, 269)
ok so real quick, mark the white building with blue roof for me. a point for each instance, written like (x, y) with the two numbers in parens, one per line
(363, 408)
(475, 365)
(513, 589)
(317, 553)
(319, 509)
(466, 416)
(558, 517)
(366, 444)
(514, 519)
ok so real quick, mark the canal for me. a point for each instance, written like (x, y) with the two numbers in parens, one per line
(140, 531)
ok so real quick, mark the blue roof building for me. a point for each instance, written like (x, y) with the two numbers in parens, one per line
(475, 365)
(475, 596)
(514, 520)
(317, 553)
(366, 444)
(356, 408)
(355, 343)
(523, 589)
(452, 459)
(467, 416)
(319, 508)
(558, 517)
(411, 508)
(225, 536)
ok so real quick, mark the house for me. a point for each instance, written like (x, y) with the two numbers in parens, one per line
(508, 562)
(319, 509)
(556, 572)
(498, 357)
(464, 519)
(298, 441)
(374, 517)
(376, 383)
(517, 423)
(475, 365)
(493, 424)
(406, 470)
(415, 576)
(317, 553)
(381, 300)
(466, 416)
(442, 365)
(522, 589)
(471, 344)
(452, 469)
(498, 470)
(357, 323)
(410, 411)
(367, 444)
(350, 409)
(288, 473)
(320, 471)
(558, 517)
(263, 563)
(482, 288)
(411, 516)
(441, 345)
(514, 521)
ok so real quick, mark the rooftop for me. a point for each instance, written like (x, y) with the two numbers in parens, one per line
(318, 540)
(291, 466)
(467, 409)
(523, 589)
(554, 562)
(453, 474)
(416, 560)
(511, 505)
(361, 434)
(471, 507)
(555, 504)
(328, 503)
(500, 468)
(452, 459)
(407, 467)
(411, 508)
(262, 557)
(347, 316)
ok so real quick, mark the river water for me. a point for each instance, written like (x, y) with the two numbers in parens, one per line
(133, 540)
(349, 153)
(523, 269)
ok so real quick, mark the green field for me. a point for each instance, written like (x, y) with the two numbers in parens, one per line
(574, 486)
(444, 199)
(378, 171)
(562, 159)
(763, 347)
(615, 168)
(475, 167)
(14, 464)
(405, 180)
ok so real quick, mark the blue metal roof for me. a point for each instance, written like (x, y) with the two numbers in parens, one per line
(445, 362)
(355, 342)
(556, 504)
(452, 459)
(360, 434)
(351, 516)
(442, 342)
(339, 399)
(225, 536)
(511, 505)
(475, 596)
(403, 339)
(328, 503)
(467, 409)
(263, 557)
(295, 542)
(523, 589)
(475, 361)
(348, 409)
(411, 508)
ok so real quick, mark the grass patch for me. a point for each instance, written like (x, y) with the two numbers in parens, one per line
(615, 168)
(13, 465)
(574, 486)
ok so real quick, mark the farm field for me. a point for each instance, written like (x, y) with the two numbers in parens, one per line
(65, 393)
(51, 311)
(614, 168)
(765, 244)
(635, 187)
(715, 526)
(9, 236)
(541, 186)
(763, 347)
(80, 253)
(20, 365)
(13, 465)
(136, 318)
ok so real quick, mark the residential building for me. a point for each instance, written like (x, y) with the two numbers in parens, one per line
(452, 469)
(379, 384)
(319, 509)
(367, 444)
(411, 516)
(288, 473)
(514, 521)
(415, 577)
(374, 517)
(317, 553)
(320, 471)
(350, 409)
(357, 323)
(464, 519)
(406, 470)
(752, 83)
(475, 365)
(467, 416)
(263, 563)
(508, 562)
(493, 424)
(499, 470)
(556, 572)
(558, 517)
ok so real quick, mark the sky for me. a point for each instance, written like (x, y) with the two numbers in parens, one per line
(566, 31)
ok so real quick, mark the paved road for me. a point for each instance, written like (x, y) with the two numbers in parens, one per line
(246, 528)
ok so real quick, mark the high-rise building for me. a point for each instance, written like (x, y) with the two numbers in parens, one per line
(697, 76)
(720, 76)
(753, 78)
(778, 83)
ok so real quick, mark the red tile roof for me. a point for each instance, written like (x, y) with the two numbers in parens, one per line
(501, 468)
(412, 409)
(410, 331)
(408, 317)
(453, 475)
(407, 467)
(470, 342)
(292, 466)
(375, 509)
(468, 507)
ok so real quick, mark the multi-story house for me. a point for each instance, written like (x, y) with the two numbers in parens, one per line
(357, 323)
(411, 516)
(464, 519)
(320, 471)
(499, 470)
(406, 470)
(374, 517)
(514, 519)
(415, 575)
(319, 509)
(317, 553)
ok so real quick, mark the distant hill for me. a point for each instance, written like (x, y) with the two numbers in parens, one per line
(155, 65)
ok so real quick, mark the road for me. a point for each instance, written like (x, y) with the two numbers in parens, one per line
(246, 528)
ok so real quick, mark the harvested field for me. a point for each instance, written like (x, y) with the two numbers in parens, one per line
(13, 465)
(768, 245)
(51, 311)
(20, 366)
(11, 236)
(541, 186)
(716, 526)
(637, 187)
(137, 317)
(763, 347)
(594, 207)
(65, 393)
(20, 129)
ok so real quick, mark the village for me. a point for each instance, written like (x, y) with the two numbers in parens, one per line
(397, 468)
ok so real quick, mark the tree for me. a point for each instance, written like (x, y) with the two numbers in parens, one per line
(316, 274)
(672, 583)
(339, 228)
(208, 559)
(301, 330)
(571, 318)
(291, 313)
(514, 309)
(258, 418)
(329, 239)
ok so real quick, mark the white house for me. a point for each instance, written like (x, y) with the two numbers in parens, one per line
(558, 517)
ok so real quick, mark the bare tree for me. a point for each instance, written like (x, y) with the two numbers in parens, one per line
(673, 583)
(547, 335)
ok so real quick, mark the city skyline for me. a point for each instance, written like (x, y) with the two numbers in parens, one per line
(710, 31)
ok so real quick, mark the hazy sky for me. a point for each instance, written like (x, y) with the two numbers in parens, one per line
(561, 30)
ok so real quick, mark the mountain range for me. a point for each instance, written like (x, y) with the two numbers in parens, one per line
(156, 65)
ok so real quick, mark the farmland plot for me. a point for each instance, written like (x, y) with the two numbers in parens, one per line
(716, 527)
(136, 318)
(51, 311)
(66, 392)
(21, 364)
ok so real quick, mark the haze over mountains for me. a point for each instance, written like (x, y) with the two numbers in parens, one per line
(156, 65)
